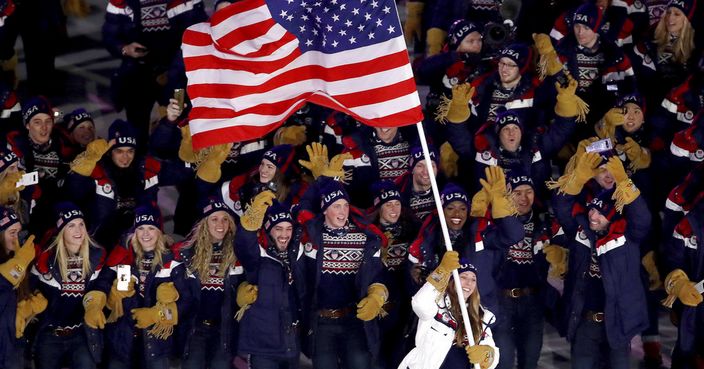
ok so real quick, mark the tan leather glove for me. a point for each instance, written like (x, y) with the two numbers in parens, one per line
(557, 257)
(678, 286)
(27, 309)
(581, 150)
(414, 17)
(115, 297)
(549, 63)
(15, 269)
(567, 105)
(317, 159)
(93, 304)
(480, 204)
(583, 172)
(246, 296)
(371, 306)
(481, 354)
(448, 160)
(253, 217)
(441, 275)
(9, 191)
(167, 293)
(638, 156)
(648, 262)
(607, 126)
(456, 110)
(210, 169)
(292, 135)
(85, 161)
(335, 168)
(495, 185)
(163, 315)
(24, 310)
(185, 150)
(626, 192)
(76, 8)
(435, 38)
(163, 318)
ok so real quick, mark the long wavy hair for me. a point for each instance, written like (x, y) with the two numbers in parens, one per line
(163, 242)
(682, 48)
(61, 255)
(283, 184)
(199, 238)
(473, 310)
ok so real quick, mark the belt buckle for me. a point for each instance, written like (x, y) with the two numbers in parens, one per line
(62, 332)
(598, 317)
(335, 313)
(515, 293)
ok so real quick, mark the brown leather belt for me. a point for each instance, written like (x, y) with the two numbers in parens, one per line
(594, 316)
(335, 313)
(520, 292)
(65, 331)
(208, 323)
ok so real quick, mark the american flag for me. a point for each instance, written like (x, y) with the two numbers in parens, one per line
(256, 62)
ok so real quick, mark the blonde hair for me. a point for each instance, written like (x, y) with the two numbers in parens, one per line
(61, 256)
(682, 48)
(161, 248)
(200, 239)
(473, 310)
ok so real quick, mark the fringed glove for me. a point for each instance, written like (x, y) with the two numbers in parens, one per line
(372, 306)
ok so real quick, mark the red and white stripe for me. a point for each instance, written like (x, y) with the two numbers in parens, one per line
(246, 75)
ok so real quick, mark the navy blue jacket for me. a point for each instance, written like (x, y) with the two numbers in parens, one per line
(683, 252)
(618, 253)
(47, 278)
(228, 325)
(371, 270)
(8, 312)
(120, 335)
(271, 325)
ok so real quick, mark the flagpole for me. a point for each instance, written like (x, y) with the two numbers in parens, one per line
(445, 234)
